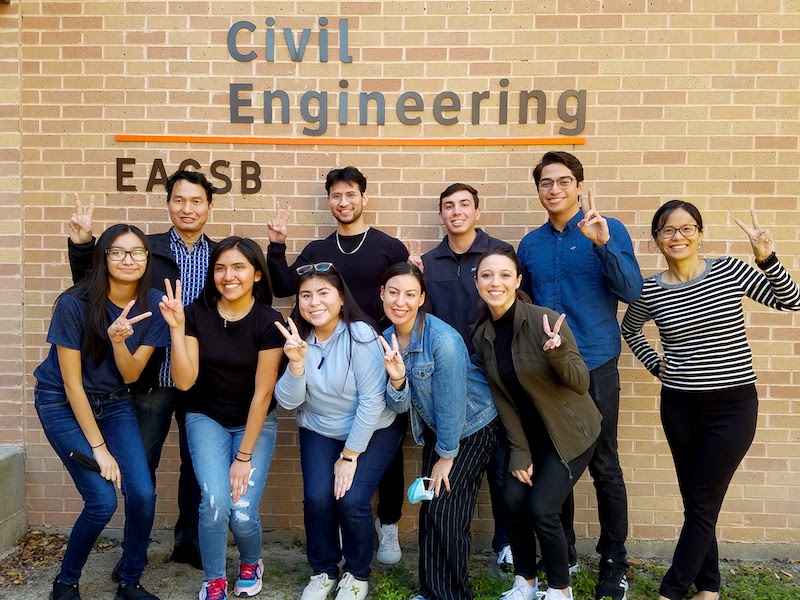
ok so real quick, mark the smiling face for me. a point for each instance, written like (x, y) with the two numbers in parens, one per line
(560, 203)
(234, 277)
(189, 209)
(346, 201)
(402, 296)
(458, 213)
(320, 304)
(679, 247)
(497, 281)
(126, 270)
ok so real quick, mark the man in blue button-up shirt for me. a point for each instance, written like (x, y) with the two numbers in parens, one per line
(582, 264)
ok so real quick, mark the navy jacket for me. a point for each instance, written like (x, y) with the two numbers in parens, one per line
(452, 294)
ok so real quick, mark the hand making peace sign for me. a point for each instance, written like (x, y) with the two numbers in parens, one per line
(760, 239)
(122, 328)
(555, 337)
(171, 305)
(392, 359)
(80, 223)
(278, 227)
(415, 254)
(295, 347)
(594, 226)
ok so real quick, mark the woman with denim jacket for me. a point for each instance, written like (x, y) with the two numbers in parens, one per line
(102, 334)
(452, 417)
(540, 385)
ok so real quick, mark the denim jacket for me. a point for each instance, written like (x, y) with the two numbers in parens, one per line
(443, 388)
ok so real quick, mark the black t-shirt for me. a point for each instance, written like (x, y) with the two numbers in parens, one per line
(362, 270)
(228, 360)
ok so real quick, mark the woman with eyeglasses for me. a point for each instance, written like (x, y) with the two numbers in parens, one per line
(453, 418)
(226, 351)
(348, 437)
(709, 403)
(101, 335)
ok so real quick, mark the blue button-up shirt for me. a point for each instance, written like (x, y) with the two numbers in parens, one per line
(564, 271)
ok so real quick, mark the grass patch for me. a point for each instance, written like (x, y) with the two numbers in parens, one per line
(740, 581)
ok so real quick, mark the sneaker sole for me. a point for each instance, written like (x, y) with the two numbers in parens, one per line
(251, 591)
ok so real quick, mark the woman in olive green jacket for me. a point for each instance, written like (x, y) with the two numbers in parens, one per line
(540, 385)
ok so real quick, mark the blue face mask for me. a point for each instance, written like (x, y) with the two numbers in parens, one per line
(417, 492)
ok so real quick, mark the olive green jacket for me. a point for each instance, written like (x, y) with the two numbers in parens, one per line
(556, 380)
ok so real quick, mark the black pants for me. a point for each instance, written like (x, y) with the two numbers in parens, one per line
(444, 522)
(392, 489)
(708, 433)
(606, 472)
(538, 509)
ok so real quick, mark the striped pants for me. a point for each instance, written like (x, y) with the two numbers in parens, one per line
(444, 522)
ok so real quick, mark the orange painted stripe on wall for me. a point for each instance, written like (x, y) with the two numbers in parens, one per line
(216, 139)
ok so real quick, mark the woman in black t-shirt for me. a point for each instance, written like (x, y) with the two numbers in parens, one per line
(226, 351)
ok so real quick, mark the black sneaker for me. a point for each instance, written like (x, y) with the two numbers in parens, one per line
(188, 554)
(134, 591)
(64, 591)
(613, 583)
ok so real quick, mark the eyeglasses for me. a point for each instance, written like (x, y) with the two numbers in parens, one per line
(563, 183)
(118, 254)
(319, 268)
(687, 231)
(351, 197)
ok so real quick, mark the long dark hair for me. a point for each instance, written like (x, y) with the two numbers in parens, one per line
(351, 312)
(405, 268)
(521, 296)
(94, 288)
(262, 289)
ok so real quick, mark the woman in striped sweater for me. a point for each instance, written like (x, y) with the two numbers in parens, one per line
(709, 403)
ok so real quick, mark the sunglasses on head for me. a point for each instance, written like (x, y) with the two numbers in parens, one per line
(319, 268)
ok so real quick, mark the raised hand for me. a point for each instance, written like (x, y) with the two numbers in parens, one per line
(171, 305)
(393, 360)
(760, 239)
(122, 328)
(278, 227)
(415, 254)
(80, 223)
(593, 225)
(295, 347)
(555, 337)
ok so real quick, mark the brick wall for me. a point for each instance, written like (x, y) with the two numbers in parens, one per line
(684, 99)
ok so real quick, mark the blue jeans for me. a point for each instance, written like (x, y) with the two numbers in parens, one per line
(323, 515)
(154, 407)
(213, 449)
(117, 422)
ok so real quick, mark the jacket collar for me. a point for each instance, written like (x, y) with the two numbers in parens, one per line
(479, 245)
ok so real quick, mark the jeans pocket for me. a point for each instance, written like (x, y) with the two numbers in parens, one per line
(49, 399)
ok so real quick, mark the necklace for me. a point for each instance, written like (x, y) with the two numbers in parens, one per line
(234, 317)
(361, 243)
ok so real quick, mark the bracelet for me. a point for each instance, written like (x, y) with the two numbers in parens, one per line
(761, 263)
(349, 459)
(245, 453)
(403, 378)
(244, 461)
(103, 443)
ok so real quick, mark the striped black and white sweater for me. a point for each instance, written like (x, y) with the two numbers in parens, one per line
(701, 322)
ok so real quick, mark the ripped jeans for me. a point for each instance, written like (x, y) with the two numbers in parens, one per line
(213, 449)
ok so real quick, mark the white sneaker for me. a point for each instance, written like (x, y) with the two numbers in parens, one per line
(574, 568)
(318, 588)
(505, 558)
(389, 552)
(522, 590)
(553, 594)
(351, 588)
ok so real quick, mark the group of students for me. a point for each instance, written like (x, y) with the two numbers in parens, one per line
(475, 364)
